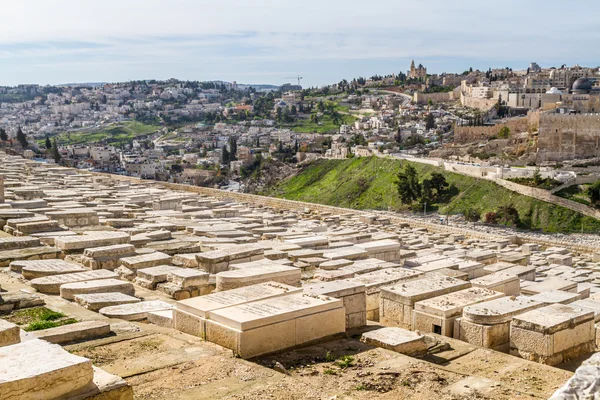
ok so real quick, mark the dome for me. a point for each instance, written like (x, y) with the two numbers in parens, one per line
(553, 91)
(582, 85)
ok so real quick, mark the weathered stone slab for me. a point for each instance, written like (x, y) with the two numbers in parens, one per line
(250, 276)
(552, 283)
(68, 290)
(31, 253)
(12, 243)
(186, 278)
(136, 311)
(40, 268)
(51, 284)
(95, 239)
(352, 294)
(397, 339)
(397, 301)
(553, 334)
(219, 260)
(96, 301)
(23, 376)
(109, 251)
(146, 260)
(438, 314)
(501, 281)
(77, 332)
(556, 297)
(9, 333)
(275, 324)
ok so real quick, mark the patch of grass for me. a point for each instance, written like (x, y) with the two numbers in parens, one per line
(330, 372)
(369, 183)
(30, 315)
(329, 357)
(40, 325)
(345, 362)
(361, 387)
(150, 344)
(576, 193)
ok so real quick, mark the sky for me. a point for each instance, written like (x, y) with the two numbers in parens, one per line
(268, 41)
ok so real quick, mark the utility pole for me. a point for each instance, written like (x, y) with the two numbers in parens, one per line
(425, 210)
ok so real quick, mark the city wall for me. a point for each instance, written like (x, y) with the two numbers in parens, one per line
(470, 134)
(567, 137)
(475, 102)
(423, 98)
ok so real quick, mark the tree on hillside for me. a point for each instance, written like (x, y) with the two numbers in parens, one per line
(233, 147)
(3, 135)
(48, 143)
(504, 132)
(22, 138)
(429, 121)
(594, 193)
(55, 153)
(225, 156)
(408, 184)
(508, 215)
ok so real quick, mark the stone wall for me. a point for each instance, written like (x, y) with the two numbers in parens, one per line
(475, 102)
(470, 134)
(567, 137)
(423, 98)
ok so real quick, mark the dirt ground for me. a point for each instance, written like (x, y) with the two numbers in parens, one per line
(162, 363)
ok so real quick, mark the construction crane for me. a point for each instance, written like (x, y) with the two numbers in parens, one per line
(298, 77)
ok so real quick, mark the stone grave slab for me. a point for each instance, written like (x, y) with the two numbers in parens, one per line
(51, 284)
(30, 253)
(552, 335)
(146, 260)
(397, 301)
(68, 290)
(136, 311)
(92, 239)
(352, 294)
(96, 301)
(397, 339)
(23, 376)
(275, 324)
(9, 333)
(80, 331)
(40, 268)
(250, 276)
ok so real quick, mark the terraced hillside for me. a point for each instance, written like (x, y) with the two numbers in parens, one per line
(369, 183)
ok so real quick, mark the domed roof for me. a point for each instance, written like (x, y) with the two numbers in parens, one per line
(582, 84)
(553, 91)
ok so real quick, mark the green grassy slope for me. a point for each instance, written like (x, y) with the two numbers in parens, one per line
(115, 134)
(369, 183)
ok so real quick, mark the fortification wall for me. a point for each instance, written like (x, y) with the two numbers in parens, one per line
(470, 134)
(567, 137)
(475, 102)
(423, 98)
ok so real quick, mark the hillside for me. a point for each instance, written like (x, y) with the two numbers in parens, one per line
(115, 134)
(369, 183)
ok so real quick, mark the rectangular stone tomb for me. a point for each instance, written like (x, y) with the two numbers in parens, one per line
(39, 268)
(80, 331)
(373, 282)
(352, 294)
(508, 284)
(219, 260)
(51, 284)
(12, 243)
(135, 311)
(552, 283)
(552, 335)
(31, 253)
(146, 260)
(96, 301)
(22, 376)
(95, 239)
(276, 324)
(106, 257)
(397, 301)
(68, 290)
(556, 297)
(250, 276)
(386, 249)
(437, 315)
(190, 314)
(397, 339)
(488, 324)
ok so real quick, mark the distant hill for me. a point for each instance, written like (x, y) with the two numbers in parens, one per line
(369, 184)
(92, 84)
